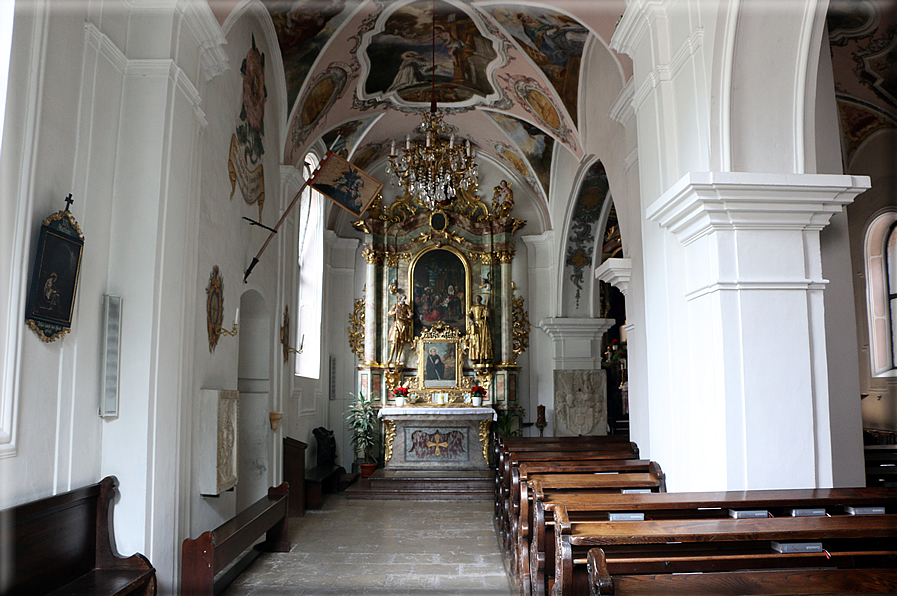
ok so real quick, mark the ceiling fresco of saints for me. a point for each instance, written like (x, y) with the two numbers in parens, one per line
(536, 145)
(553, 41)
(303, 29)
(401, 50)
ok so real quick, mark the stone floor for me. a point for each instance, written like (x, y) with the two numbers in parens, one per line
(383, 547)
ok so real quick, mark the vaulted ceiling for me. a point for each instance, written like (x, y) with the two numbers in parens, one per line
(508, 76)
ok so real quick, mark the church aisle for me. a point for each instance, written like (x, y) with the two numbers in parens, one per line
(383, 547)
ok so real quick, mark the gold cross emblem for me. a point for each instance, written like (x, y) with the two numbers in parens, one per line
(436, 443)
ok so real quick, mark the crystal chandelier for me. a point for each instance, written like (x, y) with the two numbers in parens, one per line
(434, 171)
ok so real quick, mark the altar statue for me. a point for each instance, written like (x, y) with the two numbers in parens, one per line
(402, 328)
(479, 335)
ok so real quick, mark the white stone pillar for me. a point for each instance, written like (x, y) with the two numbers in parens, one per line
(755, 365)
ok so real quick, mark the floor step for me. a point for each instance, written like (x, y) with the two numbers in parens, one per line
(425, 484)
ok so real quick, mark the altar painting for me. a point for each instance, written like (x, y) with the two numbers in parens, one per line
(439, 288)
(440, 364)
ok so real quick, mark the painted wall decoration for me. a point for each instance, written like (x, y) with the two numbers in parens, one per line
(214, 307)
(553, 41)
(247, 143)
(322, 92)
(537, 100)
(303, 29)
(397, 54)
(581, 239)
(536, 145)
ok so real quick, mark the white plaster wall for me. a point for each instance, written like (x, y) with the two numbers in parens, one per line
(840, 331)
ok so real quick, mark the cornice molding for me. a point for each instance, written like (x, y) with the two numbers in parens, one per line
(623, 110)
(616, 272)
(701, 203)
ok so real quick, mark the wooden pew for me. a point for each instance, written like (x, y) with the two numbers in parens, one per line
(65, 545)
(502, 446)
(881, 465)
(592, 478)
(203, 558)
(663, 544)
(510, 459)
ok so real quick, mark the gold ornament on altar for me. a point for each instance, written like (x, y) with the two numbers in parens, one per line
(356, 329)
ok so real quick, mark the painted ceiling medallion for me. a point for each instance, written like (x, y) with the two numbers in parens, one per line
(410, 56)
(536, 100)
(319, 96)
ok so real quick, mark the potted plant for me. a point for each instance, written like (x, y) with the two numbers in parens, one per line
(362, 417)
(477, 393)
(400, 394)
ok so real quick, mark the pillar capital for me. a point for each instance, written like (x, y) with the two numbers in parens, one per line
(701, 203)
(575, 341)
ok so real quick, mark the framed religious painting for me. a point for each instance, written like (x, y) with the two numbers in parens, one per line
(440, 287)
(439, 359)
(54, 278)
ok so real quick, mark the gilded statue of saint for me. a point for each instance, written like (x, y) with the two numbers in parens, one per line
(402, 328)
(479, 335)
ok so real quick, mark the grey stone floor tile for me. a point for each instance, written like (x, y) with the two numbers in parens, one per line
(386, 548)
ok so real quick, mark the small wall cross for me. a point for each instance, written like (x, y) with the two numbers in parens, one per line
(68, 201)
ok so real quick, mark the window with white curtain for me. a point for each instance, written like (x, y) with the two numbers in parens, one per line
(311, 277)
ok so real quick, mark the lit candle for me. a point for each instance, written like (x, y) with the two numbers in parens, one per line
(237, 318)
(408, 142)
(428, 140)
(392, 149)
(451, 141)
(468, 147)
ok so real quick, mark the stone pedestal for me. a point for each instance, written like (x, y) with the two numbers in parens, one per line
(437, 438)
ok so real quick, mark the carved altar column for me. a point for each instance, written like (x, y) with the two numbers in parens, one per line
(372, 258)
(507, 319)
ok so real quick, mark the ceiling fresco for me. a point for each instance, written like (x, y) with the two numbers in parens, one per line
(359, 73)
(863, 38)
(303, 29)
(553, 41)
(429, 49)
(533, 142)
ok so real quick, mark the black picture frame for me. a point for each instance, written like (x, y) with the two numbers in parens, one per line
(54, 277)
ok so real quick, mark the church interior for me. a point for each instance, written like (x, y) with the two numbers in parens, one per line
(245, 235)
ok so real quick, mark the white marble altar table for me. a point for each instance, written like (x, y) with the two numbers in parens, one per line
(437, 437)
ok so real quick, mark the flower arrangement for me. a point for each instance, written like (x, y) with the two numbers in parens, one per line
(479, 391)
(400, 392)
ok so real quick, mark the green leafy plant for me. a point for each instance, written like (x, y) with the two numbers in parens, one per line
(508, 423)
(362, 417)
